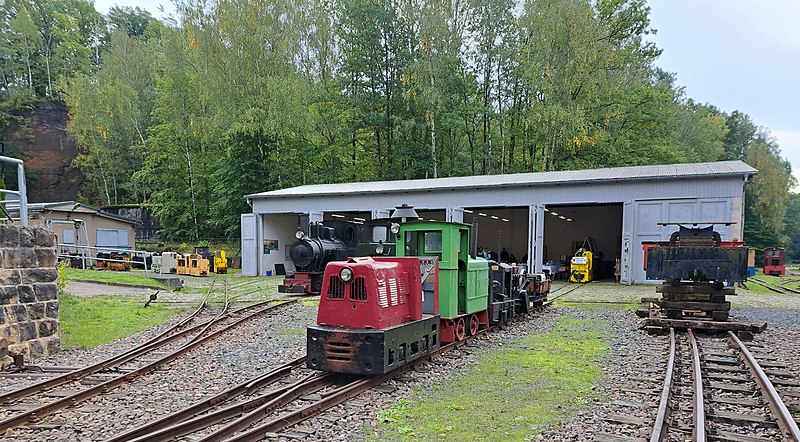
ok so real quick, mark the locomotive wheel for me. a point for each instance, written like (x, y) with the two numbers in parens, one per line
(461, 329)
(473, 325)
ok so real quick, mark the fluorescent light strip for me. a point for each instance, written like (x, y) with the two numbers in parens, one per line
(336, 215)
(359, 219)
(467, 211)
(562, 217)
(546, 209)
(505, 220)
(495, 217)
(569, 219)
(553, 213)
(482, 214)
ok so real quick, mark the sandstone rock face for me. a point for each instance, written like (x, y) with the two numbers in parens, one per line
(48, 150)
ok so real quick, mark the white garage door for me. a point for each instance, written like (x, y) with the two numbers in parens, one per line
(112, 239)
(647, 215)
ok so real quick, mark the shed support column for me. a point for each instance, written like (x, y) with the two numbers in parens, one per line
(536, 237)
(454, 215)
(315, 217)
(380, 213)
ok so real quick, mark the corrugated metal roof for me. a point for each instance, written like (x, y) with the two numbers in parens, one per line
(666, 172)
(72, 207)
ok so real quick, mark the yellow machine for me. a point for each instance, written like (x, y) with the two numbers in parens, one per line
(220, 262)
(193, 265)
(582, 264)
(581, 269)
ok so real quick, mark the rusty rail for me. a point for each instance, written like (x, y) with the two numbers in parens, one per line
(44, 410)
(785, 420)
(698, 403)
(659, 432)
(184, 421)
(156, 342)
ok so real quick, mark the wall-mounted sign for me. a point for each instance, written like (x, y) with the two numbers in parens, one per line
(270, 245)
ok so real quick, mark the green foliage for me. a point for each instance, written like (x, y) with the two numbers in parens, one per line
(237, 97)
(512, 393)
(767, 197)
(63, 279)
(88, 322)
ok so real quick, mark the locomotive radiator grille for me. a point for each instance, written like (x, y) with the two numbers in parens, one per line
(339, 351)
(335, 288)
(393, 291)
(358, 290)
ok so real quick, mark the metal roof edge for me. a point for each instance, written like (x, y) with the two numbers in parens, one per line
(745, 173)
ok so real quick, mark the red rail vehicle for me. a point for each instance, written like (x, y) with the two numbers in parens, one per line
(773, 261)
(377, 314)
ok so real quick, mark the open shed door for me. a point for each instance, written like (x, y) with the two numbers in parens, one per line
(249, 245)
(536, 237)
(625, 275)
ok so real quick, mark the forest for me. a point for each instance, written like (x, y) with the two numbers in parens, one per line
(230, 97)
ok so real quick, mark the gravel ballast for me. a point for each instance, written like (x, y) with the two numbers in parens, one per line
(263, 344)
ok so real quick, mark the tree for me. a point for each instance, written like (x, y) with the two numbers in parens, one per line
(767, 196)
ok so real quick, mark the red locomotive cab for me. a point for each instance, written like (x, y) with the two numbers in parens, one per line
(370, 319)
(774, 261)
(365, 293)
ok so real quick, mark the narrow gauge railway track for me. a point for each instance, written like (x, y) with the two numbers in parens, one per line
(732, 396)
(296, 394)
(777, 288)
(706, 388)
(177, 344)
(563, 291)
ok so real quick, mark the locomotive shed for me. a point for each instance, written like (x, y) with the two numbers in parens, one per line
(540, 218)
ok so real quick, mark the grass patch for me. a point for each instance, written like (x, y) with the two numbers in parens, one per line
(103, 276)
(87, 322)
(511, 394)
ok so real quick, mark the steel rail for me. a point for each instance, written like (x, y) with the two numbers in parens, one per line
(164, 428)
(180, 428)
(785, 420)
(44, 410)
(71, 376)
(310, 385)
(698, 412)
(659, 432)
(329, 400)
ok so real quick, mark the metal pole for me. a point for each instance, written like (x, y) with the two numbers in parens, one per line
(23, 195)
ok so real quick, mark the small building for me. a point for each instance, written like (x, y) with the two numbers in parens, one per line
(540, 218)
(76, 223)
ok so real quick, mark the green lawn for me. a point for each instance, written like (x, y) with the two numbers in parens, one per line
(87, 322)
(511, 394)
(106, 276)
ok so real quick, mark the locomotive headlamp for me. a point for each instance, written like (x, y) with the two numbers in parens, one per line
(395, 228)
(346, 274)
(379, 249)
(299, 234)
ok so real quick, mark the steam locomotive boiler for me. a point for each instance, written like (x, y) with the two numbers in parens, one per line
(325, 241)
(334, 240)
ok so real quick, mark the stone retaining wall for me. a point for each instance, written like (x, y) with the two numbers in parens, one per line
(28, 290)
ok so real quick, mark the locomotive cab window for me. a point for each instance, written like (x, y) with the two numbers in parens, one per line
(377, 234)
(423, 243)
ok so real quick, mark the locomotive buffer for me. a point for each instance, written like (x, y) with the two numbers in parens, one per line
(699, 270)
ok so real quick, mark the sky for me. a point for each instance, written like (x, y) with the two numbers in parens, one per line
(734, 54)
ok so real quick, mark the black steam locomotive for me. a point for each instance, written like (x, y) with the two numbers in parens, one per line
(334, 240)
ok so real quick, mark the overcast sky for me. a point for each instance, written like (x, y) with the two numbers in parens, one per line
(735, 54)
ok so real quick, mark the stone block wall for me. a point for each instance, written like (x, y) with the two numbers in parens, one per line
(28, 290)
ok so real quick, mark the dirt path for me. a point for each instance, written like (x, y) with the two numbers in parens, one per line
(90, 289)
